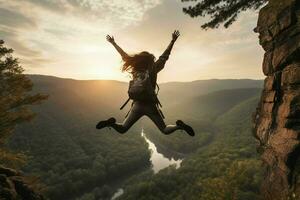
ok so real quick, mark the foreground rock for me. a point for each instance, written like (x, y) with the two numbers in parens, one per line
(13, 186)
(277, 119)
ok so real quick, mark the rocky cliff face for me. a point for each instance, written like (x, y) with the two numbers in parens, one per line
(13, 186)
(277, 119)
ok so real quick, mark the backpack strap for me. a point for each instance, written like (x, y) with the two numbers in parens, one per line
(128, 111)
(157, 89)
(158, 102)
(160, 112)
(125, 104)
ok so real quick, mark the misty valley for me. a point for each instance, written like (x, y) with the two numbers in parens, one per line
(73, 160)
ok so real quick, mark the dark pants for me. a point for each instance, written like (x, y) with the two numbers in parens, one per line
(140, 109)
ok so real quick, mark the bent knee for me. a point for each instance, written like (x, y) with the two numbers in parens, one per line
(164, 131)
(123, 130)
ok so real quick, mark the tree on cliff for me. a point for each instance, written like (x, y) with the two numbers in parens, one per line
(276, 120)
(220, 11)
(15, 97)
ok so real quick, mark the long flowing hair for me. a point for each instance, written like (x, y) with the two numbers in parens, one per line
(138, 62)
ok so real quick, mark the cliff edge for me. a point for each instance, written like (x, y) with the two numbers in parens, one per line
(277, 118)
(13, 186)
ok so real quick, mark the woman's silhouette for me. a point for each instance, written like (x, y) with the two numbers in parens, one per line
(143, 67)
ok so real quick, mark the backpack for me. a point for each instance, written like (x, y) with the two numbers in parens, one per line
(141, 88)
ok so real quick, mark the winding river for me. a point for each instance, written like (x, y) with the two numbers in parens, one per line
(158, 160)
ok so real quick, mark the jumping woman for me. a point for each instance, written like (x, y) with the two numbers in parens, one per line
(144, 70)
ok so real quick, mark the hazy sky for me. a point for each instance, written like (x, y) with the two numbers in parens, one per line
(66, 38)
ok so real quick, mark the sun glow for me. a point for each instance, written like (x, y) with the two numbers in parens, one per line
(100, 62)
(68, 39)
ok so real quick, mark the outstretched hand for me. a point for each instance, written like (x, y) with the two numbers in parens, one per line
(110, 39)
(175, 35)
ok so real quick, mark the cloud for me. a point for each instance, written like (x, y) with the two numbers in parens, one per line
(159, 22)
(20, 47)
(13, 24)
(35, 62)
(11, 18)
(52, 5)
(117, 12)
(27, 56)
(71, 33)
(198, 53)
(60, 21)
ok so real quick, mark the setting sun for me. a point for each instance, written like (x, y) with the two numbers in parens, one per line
(67, 41)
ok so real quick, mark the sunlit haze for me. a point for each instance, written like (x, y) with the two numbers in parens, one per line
(66, 38)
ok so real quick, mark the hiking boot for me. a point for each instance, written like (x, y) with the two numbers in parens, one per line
(106, 123)
(185, 127)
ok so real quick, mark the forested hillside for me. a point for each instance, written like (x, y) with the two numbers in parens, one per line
(73, 158)
(66, 150)
(226, 169)
(202, 113)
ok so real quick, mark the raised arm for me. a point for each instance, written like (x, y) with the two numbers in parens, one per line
(117, 47)
(160, 63)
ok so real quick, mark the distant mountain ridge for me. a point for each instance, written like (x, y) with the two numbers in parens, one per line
(231, 82)
(168, 90)
(69, 154)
